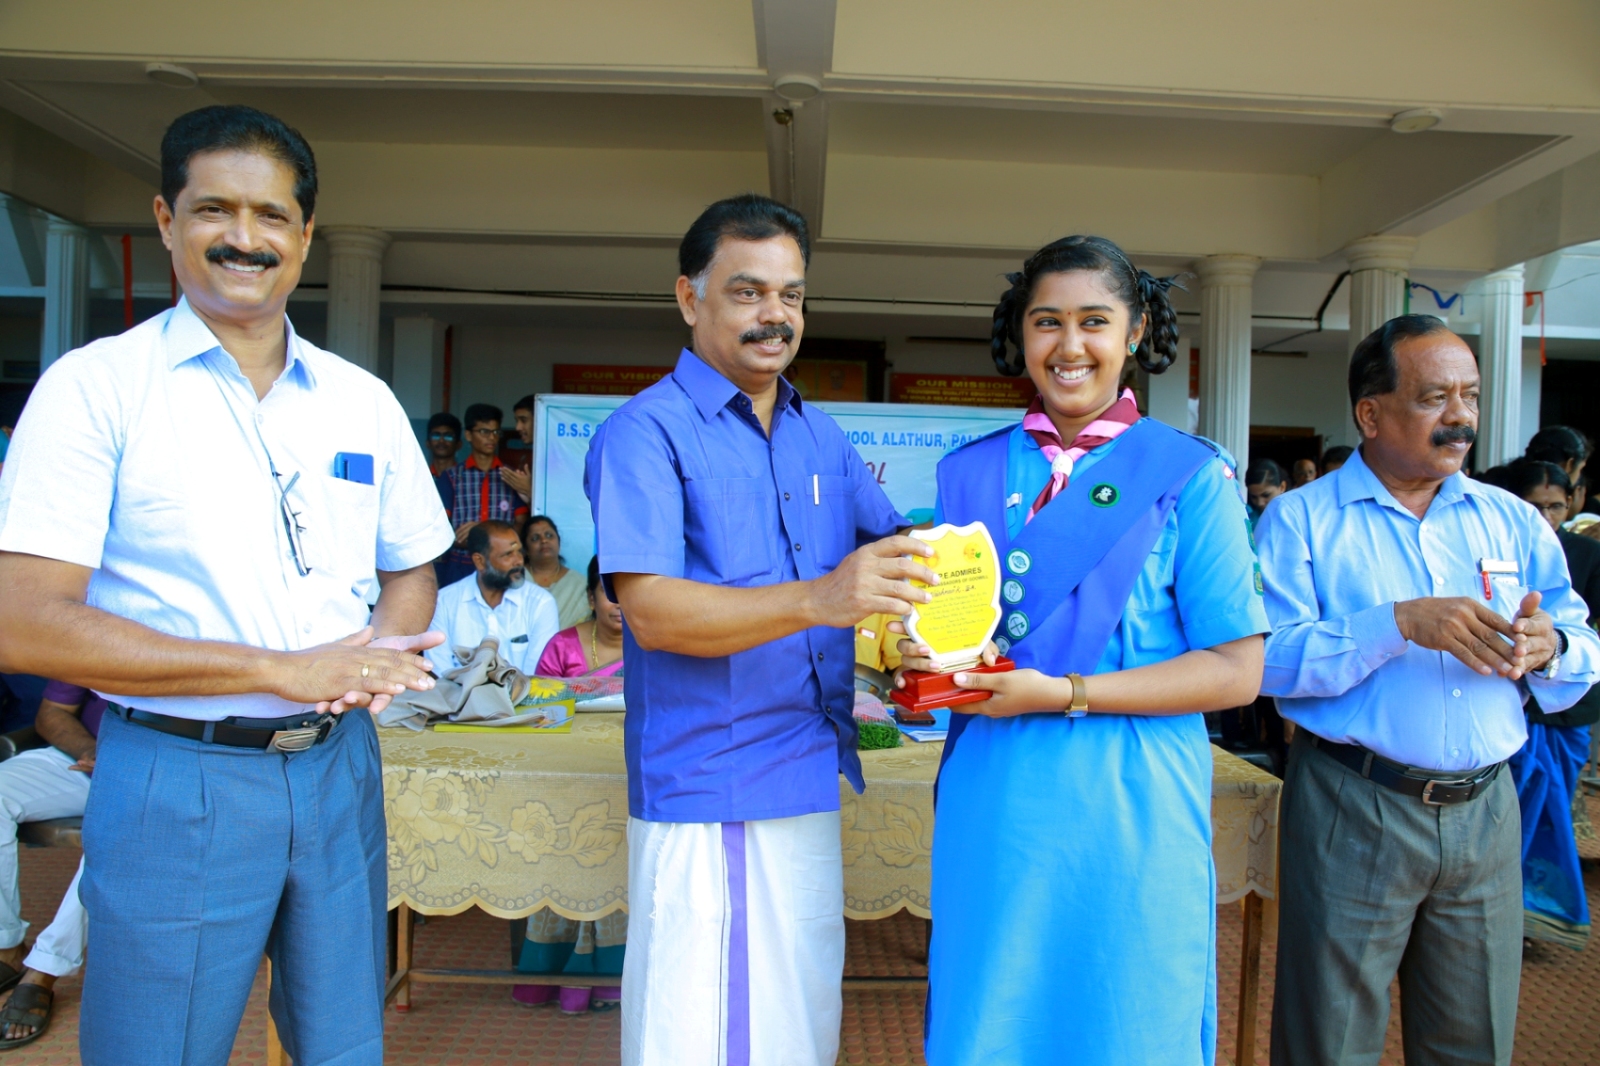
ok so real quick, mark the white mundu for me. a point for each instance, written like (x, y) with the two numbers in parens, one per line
(755, 923)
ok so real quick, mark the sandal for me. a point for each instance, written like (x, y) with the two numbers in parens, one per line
(29, 1005)
(9, 976)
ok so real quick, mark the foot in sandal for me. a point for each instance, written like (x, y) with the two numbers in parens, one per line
(26, 1015)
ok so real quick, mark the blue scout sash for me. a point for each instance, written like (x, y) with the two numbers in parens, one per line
(1068, 574)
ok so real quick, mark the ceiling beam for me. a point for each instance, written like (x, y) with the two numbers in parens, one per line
(76, 131)
(795, 38)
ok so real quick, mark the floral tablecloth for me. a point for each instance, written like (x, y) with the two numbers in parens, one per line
(517, 822)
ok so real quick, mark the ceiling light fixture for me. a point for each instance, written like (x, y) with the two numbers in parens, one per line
(171, 75)
(1416, 120)
(797, 88)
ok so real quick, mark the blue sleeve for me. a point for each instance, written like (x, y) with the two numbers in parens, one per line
(1308, 655)
(876, 517)
(1580, 665)
(1217, 584)
(636, 498)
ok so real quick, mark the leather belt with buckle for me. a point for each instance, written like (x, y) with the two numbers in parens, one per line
(1433, 791)
(295, 733)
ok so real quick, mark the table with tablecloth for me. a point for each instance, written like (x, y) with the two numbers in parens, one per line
(516, 822)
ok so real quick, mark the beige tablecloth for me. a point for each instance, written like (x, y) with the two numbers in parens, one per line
(518, 822)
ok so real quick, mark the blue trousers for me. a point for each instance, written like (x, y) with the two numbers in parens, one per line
(199, 858)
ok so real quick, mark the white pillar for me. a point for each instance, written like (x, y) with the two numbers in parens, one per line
(419, 364)
(1225, 282)
(1377, 282)
(66, 292)
(1500, 369)
(355, 274)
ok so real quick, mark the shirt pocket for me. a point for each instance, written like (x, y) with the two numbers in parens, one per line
(730, 530)
(340, 520)
(832, 505)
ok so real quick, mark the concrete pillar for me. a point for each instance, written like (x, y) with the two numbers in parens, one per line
(66, 292)
(1225, 282)
(1500, 369)
(419, 364)
(1377, 282)
(355, 275)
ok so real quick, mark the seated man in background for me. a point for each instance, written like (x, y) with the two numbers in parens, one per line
(1305, 472)
(1264, 482)
(444, 440)
(42, 783)
(496, 601)
(476, 491)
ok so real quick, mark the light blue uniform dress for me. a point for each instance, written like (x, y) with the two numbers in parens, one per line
(1074, 895)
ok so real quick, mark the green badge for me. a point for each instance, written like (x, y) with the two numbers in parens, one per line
(1261, 588)
(1019, 561)
(1012, 591)
(1104, 495)
(1017, 625)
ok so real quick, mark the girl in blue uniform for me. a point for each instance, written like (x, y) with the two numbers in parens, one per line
(1073, 892)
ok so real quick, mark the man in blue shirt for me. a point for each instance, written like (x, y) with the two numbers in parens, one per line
(744, 538)
(1413, 610)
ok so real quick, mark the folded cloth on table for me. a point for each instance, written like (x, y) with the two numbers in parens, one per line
(483, 689)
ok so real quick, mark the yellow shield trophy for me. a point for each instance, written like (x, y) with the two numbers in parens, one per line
(957, 624)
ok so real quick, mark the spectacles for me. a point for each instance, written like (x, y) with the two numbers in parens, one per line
(483, 431)
(441, 436)
(291, 523)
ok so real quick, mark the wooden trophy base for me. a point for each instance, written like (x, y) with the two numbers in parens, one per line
(924, 692)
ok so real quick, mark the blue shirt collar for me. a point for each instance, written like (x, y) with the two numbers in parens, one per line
(711, 392)
(1356, 481)
(188, 337)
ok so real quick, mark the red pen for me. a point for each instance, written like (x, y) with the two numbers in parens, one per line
(1490, 567)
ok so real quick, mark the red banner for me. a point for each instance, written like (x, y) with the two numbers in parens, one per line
(961, 391)
(605, 380)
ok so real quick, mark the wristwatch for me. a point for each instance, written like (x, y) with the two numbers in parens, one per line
(1548, 670)
(1080, 697)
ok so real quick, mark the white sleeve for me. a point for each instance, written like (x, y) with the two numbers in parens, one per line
(443, 657)
(544, 624)
(412, 526)
(61, 468)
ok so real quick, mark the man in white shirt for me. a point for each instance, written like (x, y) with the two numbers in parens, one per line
(498, 602)
(213, 595)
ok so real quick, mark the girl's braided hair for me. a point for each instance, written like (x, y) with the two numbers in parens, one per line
(1143, 295)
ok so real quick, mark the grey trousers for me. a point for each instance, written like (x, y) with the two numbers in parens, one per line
(1375, 883)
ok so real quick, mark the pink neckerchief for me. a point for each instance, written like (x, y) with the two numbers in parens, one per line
(1112, 423)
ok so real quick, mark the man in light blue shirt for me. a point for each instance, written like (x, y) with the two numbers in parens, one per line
(232, 490)
(497, 603)
(1413, 609)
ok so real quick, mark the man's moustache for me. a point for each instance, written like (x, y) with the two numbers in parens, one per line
(783, 332)
(225, 253)
(1453, 435)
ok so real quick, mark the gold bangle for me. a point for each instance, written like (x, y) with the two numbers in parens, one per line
(1080, 696)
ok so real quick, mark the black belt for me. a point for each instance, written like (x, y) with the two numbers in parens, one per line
(295, 733)
(1435, 792)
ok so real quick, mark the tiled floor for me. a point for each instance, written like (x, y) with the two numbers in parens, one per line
(455, 1025)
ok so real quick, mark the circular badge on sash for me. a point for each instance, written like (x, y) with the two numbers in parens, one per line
(1018, 561)
(1103, 495)
(1017, 625)
(1003, 644)
(1012, 591)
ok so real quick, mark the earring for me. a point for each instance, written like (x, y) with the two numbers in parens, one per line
(1132, 348)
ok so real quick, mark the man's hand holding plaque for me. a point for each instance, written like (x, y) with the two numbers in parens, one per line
(951, 632)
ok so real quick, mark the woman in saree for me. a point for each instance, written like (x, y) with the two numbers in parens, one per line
(593, 647)
(554, 944)
(1555, 907)
(1074, 898)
